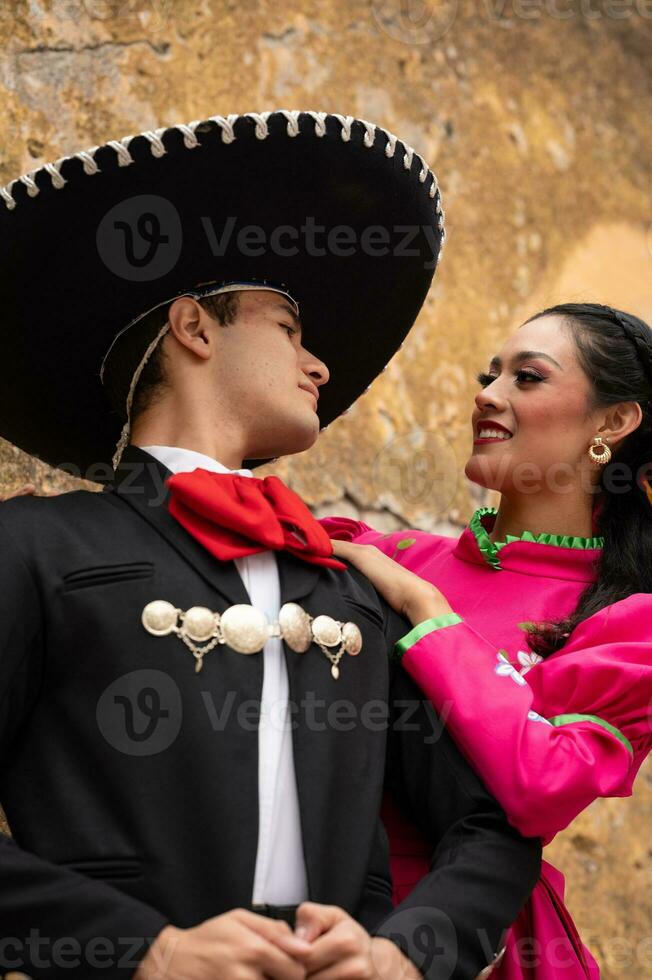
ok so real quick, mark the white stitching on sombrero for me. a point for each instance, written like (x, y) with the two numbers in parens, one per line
(90, 167)
(57, 179)
(154, 136)
(120, 146)
(390, 149)
(345, 122)
(226, 125)
(292, 117)
(260, 118)
(320, 122)
(32, 189)
(190, 141)
(370, 135)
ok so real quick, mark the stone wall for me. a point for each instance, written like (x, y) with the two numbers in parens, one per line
(535, 116)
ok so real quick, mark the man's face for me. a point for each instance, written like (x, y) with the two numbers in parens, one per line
(262, 368)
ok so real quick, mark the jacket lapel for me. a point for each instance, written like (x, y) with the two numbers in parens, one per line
(329, 766)
(297, 578)
(313, 759)
(140, 482)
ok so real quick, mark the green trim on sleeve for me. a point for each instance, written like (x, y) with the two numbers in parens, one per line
(422, 629)
(559, 720)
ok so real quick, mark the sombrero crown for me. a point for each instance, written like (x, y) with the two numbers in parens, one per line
(340, 211)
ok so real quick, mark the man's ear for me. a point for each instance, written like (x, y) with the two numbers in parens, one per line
(190, 326)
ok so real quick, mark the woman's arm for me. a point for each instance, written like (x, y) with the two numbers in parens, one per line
(591, 727)
(597, 694)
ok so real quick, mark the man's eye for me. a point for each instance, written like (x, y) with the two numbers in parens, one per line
(291, 330)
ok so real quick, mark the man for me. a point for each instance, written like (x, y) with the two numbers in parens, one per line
(136, 706)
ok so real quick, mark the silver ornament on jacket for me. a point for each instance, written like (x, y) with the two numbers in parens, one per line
(246, 629)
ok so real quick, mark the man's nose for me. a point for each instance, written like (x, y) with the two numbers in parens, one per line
(315, 369)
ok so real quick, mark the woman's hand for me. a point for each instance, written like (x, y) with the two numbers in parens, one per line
(408, 594)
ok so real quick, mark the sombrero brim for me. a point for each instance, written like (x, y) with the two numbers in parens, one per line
(339, 210)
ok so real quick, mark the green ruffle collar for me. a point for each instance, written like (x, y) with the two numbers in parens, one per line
(490, 548)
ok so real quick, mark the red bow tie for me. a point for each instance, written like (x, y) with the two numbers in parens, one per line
(233, 515)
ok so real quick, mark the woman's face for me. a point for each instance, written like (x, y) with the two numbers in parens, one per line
(542, 400)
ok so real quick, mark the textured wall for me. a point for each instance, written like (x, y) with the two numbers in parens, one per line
(534, 114)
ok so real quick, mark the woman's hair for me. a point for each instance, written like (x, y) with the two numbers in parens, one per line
(615, 351)
(129, 349)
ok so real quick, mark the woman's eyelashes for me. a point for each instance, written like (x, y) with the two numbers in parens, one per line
(521, 376)
(291, 330)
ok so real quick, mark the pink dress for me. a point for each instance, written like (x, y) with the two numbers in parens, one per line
(547, 736)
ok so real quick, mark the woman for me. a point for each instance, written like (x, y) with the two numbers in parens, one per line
(538, 649)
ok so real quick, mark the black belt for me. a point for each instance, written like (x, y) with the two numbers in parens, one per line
(285, 912)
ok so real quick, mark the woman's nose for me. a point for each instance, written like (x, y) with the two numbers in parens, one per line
(489, 396)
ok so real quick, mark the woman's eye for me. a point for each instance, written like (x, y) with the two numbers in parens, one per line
(522, 376)
(291, 330)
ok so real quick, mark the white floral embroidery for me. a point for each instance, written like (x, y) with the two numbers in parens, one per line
(528, 660)
(505, 669)
(533, 716)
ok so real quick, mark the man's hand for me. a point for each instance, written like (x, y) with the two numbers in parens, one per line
(342, 950)
(238, 945)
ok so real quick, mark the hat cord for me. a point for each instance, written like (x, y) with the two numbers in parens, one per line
(123, 441)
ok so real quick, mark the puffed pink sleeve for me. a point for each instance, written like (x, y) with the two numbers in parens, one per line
(578, 728)
(348, 529)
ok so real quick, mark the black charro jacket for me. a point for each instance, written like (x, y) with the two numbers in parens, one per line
(130, 782)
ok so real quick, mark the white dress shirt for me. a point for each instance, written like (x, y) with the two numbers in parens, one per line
(280, 875)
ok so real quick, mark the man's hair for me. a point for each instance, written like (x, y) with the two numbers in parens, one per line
(129, 349)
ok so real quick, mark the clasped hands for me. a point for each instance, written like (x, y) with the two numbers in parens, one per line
(327, 944)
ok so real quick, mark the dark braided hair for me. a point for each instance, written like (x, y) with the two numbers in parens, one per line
(615, 351)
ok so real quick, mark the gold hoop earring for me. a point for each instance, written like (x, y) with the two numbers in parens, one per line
(604, 454)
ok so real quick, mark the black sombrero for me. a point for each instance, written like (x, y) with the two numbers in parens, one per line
(340, 212)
